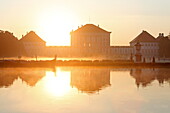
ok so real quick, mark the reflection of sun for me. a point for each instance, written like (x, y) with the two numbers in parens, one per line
(57, 85)
(55, 26)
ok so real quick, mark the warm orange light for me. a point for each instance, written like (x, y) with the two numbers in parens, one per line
(55, 27)
(58, 85)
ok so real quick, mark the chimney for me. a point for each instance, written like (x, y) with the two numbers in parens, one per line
(163, 34)
(160, 34)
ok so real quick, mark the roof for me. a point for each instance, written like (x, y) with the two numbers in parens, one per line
(161, 37)
(31, 37)
(91, 28)
(144, 37)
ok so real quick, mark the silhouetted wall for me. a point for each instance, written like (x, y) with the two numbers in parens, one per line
(164, 46)
(10, 45)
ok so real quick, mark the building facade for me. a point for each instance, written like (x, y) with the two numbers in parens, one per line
(59, 51)
(91, 41)
(121, 52)
(33, 44)
(164, 46)
(149, 46)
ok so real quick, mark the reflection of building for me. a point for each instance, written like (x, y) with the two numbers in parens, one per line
(28, 75)
(31, 77)
(144, 77)
(163, 75)
(7, 77)
(90, 80)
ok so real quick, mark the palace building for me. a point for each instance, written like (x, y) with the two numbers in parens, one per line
(149, 45)
(33, 44)
(91, 41)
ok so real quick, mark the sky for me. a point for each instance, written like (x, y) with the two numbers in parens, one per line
(53, 20)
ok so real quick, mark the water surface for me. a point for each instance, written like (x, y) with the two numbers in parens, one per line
(84, 90)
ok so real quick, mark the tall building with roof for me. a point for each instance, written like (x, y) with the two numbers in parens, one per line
(9, 45)
(90, 40)
(150, 47)
(164, 46)
(33, 44)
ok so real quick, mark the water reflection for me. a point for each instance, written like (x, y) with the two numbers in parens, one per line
(7, 77)
(57, 90)
(145, 77)
(87, 80)
(57, 83)
(90, 80)
(28, 75)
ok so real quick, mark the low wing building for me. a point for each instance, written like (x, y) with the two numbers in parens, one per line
(121, 52)
(33, 44)
(150, 47)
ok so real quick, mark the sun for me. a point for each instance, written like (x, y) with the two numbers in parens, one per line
(55, 26)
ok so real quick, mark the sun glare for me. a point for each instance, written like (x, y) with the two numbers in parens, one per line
(55, 27)
(59, 84)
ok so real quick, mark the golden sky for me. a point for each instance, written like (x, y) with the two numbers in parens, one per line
(52, 20)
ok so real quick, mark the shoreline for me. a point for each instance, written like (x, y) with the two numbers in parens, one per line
(53, 63)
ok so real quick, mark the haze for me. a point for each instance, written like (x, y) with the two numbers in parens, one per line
(53, 20)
